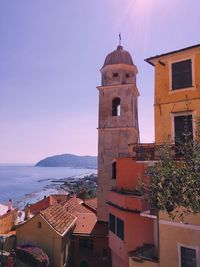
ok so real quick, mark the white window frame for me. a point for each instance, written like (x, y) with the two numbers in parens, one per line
(191, 247)
(193, 87)
(176, 114)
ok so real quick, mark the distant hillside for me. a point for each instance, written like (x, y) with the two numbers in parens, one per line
(68, 160)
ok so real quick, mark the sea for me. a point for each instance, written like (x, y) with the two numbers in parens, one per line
(28, 184)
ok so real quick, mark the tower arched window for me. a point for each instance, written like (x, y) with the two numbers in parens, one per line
(116, 106)
(114, 170)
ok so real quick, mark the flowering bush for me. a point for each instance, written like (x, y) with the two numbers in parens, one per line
(33, 255)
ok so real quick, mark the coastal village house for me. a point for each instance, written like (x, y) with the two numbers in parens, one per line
(8, 218)
(50, 229)
(67, 230)
(177, 100)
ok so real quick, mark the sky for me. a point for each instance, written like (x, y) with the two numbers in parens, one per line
(51, 52)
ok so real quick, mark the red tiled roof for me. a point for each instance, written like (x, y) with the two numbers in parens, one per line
(45, 203)
(74, 206)
(85, 223)
(91, 204)
(58, 217)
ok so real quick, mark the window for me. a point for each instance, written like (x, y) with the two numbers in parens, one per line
(183, 129)
(116, 106)
(120, 228)
(116, 226)
(188, 257)
(182, 74)
(39, 225)
(127, 75)
(115, 75)
(112, 223)
(114, 170)
(85, 243)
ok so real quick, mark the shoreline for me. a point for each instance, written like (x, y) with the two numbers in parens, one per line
(55, 186)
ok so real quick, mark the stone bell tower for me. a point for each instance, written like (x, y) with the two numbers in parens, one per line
(118, 120)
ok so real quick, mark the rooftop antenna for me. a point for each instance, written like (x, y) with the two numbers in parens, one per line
(120, 38)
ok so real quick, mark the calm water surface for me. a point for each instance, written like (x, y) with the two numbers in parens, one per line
(18, 181)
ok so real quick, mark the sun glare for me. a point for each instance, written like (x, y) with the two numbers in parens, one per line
(137, 16)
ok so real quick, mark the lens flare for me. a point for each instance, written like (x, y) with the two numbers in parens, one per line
(140, 17)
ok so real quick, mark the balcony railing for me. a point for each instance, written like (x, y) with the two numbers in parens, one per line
(124, 191)
(147, 152)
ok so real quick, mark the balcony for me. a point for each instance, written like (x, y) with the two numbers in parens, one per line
(146, 255)
(127, 200)
(147, 152)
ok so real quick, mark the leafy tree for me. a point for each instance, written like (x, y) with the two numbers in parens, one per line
(175, 178)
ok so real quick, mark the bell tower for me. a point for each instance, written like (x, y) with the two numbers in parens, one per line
(118, 120)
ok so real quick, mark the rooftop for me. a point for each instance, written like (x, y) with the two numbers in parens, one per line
(149, 60)
(45, 203)
(58, 217)
(63, 215)
(118, 56)
(91, 204)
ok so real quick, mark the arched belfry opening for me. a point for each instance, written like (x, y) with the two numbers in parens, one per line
(116, 106)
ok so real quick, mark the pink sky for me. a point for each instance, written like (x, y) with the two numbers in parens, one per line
(51, 53)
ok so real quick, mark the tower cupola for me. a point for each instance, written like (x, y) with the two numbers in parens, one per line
(118, 68)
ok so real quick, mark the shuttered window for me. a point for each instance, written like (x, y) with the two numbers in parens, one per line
(112, 223)
(183, 129)
(182, 74)
(120, 228)
(188, 257)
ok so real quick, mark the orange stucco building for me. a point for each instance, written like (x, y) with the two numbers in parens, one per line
(128, 230)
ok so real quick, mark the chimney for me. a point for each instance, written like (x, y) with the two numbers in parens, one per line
(9, 205)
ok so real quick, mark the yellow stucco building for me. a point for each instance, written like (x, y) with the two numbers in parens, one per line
(177, 92)
(50, 230)
(176, 108)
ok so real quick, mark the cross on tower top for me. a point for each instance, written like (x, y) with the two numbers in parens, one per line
(120, 38)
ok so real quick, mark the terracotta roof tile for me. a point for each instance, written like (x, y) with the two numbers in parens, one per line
(58, 217)
(61, 215)
(91, 204)
(85, 223)
(45, 203)
(74, 206)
